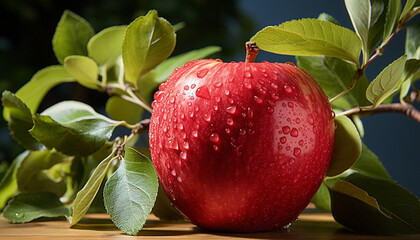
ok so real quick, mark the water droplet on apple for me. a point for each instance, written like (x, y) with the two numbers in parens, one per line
(247, 85)
(332, 114)
(250, 113)
(270, 110)
(193, 86)
(183, 155)
(248, 74)
(285, 129)
(19, 214)
(207, 117)
(296, 152)
(258, 100)
(202, 72)
(186, 87)
(310, 119)
(275, 86)
(230, 121)
(182, 116)
(227, 130)
(185, 145)
(227, 92)
(242, 132)
(298, 120)
(214, 137)
(191, 114)
(178, 162)
(231, 110)
(290, 104)
(183, 135)
(215, 147)
(181, 126)
(158, 95)
(287, 89)
(194, 134)
(294, 132)
(301, 143)
(179, 179)
(283, 140)
(275, 96)
(172, 144)
(203, 92)
(218, 84)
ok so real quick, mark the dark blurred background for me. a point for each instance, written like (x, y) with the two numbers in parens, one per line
(27, 27)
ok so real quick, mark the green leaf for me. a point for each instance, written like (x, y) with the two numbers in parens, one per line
(8, 184)
(322, 199)
(105, 46)
(347, 146)
(410, 69)
(327, 17)
(32, 176)
(375, 206)
(392, 16)
(34, 91)
(334, 76)
(360, 12)
(19, 119)
(83, 69)
(148, 41)
(386, 82)
(72, 128)
(368, 164)
(120, 109)
(85, 197)
(412, 42)
(71, 36)
(26, 207)
(130, 192)
(365, 16)
(3, 169)
(407, 8)
(310, 37)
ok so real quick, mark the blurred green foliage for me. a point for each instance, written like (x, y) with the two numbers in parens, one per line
(28, 27)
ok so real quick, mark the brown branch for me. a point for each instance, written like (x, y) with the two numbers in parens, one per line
(142, 126)
(405, 108)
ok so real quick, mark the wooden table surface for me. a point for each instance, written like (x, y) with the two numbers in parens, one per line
(99, 226)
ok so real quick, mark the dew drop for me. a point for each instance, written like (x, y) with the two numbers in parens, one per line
(216, 107)
(230, 121)
(242, 132)
(179, 179)
(202, 72)
(203, 92)
(181, 126)
(218, 84)
(288, 148)
(207, 117)
(258, 100)
(275, 86)
(275, 96)
(214, 138)
(182, 116)
(247, 85)
(294, 132)
(173, 144)
(231, 110)
(250, 113)
(227, 92)
(215, 147)
(248, 74)
(217, 99)
(283, 140)
(301, 143)
(227, 130)
(173, 172)
(186, 145)
(285, 129)
(296, 152)
(287, 89)
(310, 119)
(193, 86)
(191, 114)
(270, 110)
(297, 120)
(183, 155)
(332, 114)
(196, 108)
(290, 104)
(194, 134)
(183, 135)
(186, 87)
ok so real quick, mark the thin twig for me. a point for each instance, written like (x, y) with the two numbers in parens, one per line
(405, 108)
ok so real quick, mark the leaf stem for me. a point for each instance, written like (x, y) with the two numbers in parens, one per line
(409, 110)
(133, 98)
(357, 75)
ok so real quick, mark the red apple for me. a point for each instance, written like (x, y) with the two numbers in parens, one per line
(242, 146)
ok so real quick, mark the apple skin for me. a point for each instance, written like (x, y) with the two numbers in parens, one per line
(241, 147)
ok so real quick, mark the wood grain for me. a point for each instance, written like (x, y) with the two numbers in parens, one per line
(99, 226)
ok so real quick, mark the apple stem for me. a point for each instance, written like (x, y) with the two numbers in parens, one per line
(251, 51)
